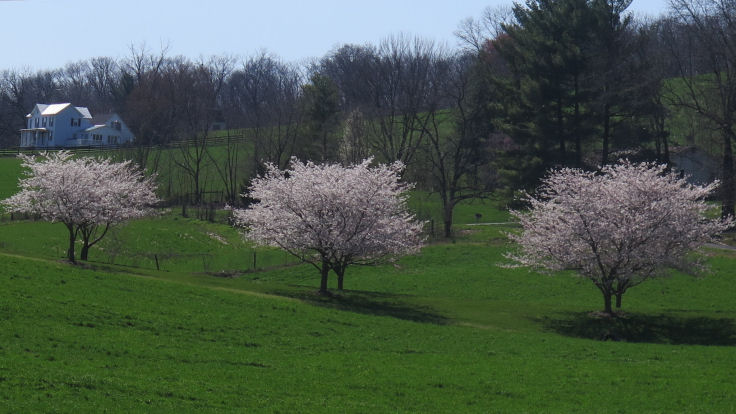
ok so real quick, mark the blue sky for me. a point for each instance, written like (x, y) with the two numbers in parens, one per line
(45, 34)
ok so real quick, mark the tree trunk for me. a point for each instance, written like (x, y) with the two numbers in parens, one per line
(87, 233)
(340, 278)
(325, 273)
(727, 208)
(560, 132)
(606, 133)
(447, 219)
(607, 303)
(576, 118)
(72, 240)
(618, 300)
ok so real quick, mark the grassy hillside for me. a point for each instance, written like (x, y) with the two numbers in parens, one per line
(447, 330)
(685, 125)
(173, 180)
(177, 243)
(9, 172)
(444, 331)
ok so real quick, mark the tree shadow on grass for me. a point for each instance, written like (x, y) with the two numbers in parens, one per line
(369, 303)
(660, 329)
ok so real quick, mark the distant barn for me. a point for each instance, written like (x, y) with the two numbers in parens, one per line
(66, 126)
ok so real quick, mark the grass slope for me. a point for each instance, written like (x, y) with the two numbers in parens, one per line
(444, 331)
(179, 244)
(10, 170)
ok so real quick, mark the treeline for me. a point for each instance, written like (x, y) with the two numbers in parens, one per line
(542, 84)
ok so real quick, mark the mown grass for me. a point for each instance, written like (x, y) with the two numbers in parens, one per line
(167, 242)
(173, 181)
(487, 210)
(187, 244)
(447, 330)
(10, 170)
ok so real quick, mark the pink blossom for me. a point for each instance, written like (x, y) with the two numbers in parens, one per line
(617, 227)
(332, 216)
(86, 194)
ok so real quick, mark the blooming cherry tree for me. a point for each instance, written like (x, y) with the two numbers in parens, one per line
(617, 227)
(88, 195)
(332, 216)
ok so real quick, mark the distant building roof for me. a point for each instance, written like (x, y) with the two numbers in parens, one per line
(101, 119)
(84, 111)
(53, 109)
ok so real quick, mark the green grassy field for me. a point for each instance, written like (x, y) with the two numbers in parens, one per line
(447, 330)
(9, 172)
(173, 181)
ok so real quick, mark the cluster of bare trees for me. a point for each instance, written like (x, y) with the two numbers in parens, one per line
(414, 101)
(391, 93)
(593, 85)
(700, 37)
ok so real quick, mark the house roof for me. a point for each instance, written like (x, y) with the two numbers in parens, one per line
(84, 111)
(100, 119)
(53, 109)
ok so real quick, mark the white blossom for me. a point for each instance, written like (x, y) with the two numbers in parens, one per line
(332, 216)
(617, 227)
(86, 194)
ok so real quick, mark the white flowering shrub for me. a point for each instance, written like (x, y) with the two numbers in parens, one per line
(617, 227)
(88, 195)
(332, 216)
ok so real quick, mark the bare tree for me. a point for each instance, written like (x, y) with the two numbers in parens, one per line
(707, 69)
(262, 96)
(351, 68)
(21, 90)
(195, 92)
(475, 34)
(102, 78)
(74, 82)
(458, 152)
(403, 97)
(147, 110)
(353, 148)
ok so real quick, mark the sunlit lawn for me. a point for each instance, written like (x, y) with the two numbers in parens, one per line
(447, 330)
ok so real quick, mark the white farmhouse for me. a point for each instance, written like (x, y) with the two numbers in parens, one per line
(65, 125)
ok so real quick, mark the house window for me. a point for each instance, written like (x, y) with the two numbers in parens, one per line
(43, 121)
(51, 121)
(116, 125)
(51, 136)
(36, 122)
(72, 121)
